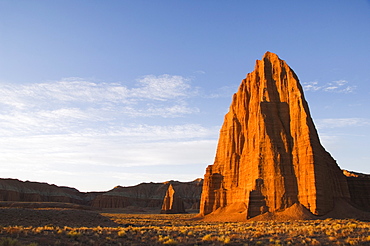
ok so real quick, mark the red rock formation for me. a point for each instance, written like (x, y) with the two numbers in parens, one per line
(172, 203)
(359, 188)
(269, 156)
(16, 190)
(145, 195)
(150, 195)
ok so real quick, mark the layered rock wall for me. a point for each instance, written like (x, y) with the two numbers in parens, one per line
(359, 189)
(269, 156)
(15, 190)
(145, 195)
(150, 195)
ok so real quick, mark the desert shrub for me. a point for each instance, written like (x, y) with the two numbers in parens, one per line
(351, 241)
(224, 239)
(170, 241)
(74, 234)
(175, 229)
(315, 242)
(161, 238)
(8, 241)
(207, 237)
(121, 233)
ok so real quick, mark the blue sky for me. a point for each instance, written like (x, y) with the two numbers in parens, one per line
(95, 94)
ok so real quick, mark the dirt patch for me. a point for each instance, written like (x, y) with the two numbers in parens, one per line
(11, 204)
(54, 217)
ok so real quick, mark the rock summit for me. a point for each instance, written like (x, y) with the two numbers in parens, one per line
(269, 157)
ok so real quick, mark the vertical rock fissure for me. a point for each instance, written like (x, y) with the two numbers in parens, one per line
(269, 156)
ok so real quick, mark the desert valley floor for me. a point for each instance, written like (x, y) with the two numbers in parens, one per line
(69, 226)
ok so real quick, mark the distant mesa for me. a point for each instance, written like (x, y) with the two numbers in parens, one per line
(149, 195)
(172, 203)
(25, 191)
(144, 197)
(270, 163)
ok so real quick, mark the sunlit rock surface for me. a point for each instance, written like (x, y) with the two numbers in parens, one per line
(269, 156)
(172, 203)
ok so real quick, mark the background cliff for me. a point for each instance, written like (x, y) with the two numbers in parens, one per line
(144, 195)
(150, 195)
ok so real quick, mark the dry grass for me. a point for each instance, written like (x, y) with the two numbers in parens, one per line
(164, 229)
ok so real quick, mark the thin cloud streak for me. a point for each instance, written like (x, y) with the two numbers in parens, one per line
(74, 104)
(341, 122)
(338, 86)
(160, 88)
(42, 152)
(224, 91)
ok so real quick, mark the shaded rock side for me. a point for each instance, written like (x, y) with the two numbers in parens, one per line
(359, 189)
(150, 195)
(172, 203)
(145, 195)
(269, 155)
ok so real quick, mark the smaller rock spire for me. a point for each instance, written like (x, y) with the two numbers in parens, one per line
(172, 204)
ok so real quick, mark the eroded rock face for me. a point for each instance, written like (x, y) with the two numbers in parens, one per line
(144, 195)
(26, 191)
(150, 195)
(359, 188)
(269, 156)
(172, 203)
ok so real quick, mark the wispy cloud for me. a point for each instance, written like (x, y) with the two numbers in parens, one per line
(161, 87)
(342, 122)
(73, 125)
(225, 91)
(76, 158)
(339, 86)
(45, 121)
(144, 132)
(150, 87)
(144, 145)
(74, 103)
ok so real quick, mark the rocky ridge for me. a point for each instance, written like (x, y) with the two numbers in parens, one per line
(15, 193)
(27, 191)
(150, 195)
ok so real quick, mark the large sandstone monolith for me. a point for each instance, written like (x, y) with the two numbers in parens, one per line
(269, 156)
(172, 204)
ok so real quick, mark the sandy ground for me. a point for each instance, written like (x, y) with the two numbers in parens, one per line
(40, 225)
(55, 217)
